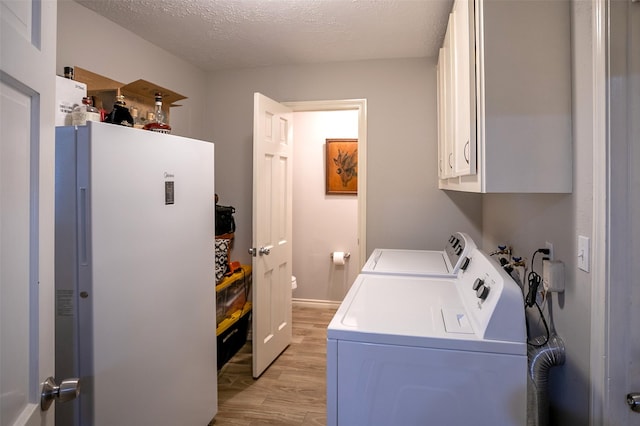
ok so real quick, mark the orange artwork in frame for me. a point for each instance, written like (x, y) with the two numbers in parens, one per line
(342, 166)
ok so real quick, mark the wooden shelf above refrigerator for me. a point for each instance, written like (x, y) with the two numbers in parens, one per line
(139, 94)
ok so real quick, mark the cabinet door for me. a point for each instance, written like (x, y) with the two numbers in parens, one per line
(442, 94)
(446, 97)
(464, 145)
(439, 109)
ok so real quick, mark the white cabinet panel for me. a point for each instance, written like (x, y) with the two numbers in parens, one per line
(446, 96)
(464, 156)
(519, 97)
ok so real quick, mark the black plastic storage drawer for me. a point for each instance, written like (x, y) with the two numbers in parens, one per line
(233, 338)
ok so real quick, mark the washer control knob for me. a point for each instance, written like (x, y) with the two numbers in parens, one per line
(477, 283)
(465, 264)
(482, 292)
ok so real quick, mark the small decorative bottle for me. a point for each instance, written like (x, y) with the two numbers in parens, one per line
(138, 123)
(68, 73)
(158, 124)
(85, 112)
(120, 113)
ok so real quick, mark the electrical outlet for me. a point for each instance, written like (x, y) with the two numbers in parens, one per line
(583, 252)
(549, 246)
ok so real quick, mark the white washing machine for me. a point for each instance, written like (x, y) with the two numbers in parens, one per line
(436, 263)
(409, 350)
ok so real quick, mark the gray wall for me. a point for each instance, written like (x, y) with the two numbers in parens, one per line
(404, 207)
(322, 223)
(528, 221)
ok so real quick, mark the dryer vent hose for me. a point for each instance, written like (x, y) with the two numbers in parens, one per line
(541, 359)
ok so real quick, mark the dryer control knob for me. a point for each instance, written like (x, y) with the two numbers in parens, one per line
(482, 292)
(459, 251)
(477, 283)
(465, 264)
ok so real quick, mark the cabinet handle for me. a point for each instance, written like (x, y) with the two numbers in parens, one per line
(466, 152)
(450, 163)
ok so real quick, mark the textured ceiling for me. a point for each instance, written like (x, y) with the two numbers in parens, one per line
(229, 34)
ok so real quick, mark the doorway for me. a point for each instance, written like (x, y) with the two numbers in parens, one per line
(326, 223)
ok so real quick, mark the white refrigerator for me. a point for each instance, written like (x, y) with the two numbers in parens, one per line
(135, 279)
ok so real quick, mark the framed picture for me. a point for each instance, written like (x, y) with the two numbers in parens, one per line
(342, 166)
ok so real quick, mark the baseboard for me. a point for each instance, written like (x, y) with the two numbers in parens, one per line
(313, 303)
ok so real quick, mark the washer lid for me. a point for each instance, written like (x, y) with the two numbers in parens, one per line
(408, 262)
(410, 311)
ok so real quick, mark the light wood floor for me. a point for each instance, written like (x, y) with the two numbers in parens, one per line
(292, 391)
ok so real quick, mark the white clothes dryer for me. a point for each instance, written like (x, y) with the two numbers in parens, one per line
(436, 263)
(409, 350)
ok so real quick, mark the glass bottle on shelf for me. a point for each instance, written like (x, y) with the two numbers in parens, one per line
(138, 122)
(85, 112)
(68, 73)
(120, 113)
(158, 123)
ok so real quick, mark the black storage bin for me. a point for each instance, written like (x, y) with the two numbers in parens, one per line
(233, 338)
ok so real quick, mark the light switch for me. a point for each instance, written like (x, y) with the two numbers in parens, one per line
(583, 253)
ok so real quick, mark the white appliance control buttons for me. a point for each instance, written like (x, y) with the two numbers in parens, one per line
(482, 292)
(477, 283)
(465, 264)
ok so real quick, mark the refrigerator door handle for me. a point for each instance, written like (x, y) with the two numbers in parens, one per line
(82, 226)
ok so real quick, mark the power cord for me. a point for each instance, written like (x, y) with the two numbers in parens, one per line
(546, 328)
(534, 280)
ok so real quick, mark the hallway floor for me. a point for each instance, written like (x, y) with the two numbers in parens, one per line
(293, 389)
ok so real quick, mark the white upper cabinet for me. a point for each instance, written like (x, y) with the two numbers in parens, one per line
(464, 157)
(446, 96)
(504, 97)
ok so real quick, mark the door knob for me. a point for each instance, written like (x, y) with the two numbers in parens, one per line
(67, 390)
(264, 250)
(633, 400)
(252, 251)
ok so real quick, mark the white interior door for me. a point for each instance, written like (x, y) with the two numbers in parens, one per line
(272, 229)
(633, 138)
(624, 134)
(623, 339)
(27, 104)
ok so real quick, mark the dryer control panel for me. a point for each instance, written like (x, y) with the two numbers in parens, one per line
(493, 301)
(457, 248)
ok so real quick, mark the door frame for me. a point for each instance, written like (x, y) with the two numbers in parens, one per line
(361, 106)
(599, 282)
